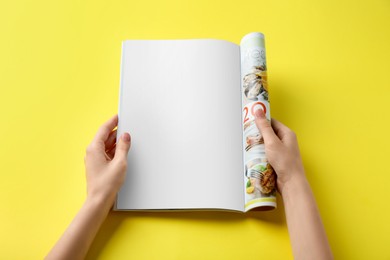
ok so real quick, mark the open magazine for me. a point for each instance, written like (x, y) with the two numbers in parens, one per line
(189, 106)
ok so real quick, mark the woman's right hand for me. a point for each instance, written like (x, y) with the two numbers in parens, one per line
(281, 148)
(307, 233)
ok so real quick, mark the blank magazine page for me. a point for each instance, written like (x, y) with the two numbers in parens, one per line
(180, 100)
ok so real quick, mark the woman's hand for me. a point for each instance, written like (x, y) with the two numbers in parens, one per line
(106, 162)
(307, 233)
(281, 148)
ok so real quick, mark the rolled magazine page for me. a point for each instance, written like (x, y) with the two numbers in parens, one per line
(260, 178)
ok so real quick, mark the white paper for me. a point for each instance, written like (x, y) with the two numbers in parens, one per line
(181, 102)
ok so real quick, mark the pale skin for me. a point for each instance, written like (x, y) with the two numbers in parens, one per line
(307, 233)
(105, 164)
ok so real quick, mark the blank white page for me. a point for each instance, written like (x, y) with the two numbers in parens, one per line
(180, 100)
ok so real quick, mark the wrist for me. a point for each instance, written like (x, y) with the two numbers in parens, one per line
(294, 184)
(103, 202)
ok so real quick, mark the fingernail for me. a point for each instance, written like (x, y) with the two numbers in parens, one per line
(259, 113)
(126, 137)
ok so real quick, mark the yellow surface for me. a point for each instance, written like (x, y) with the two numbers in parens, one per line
(329, 81)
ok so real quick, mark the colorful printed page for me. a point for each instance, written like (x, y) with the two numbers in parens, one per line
(181, 102)
(260, 179)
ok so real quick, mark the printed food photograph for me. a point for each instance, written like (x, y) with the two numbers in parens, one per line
(261, 180)
(248, 124)
(253, 138)
(267, 179)
(255, 83)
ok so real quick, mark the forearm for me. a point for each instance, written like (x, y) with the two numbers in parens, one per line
(76, 240)
(307, 234)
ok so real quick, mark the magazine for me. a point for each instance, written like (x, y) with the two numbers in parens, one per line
(189, 106)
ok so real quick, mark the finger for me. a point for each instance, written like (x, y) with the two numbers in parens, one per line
(279, 128)
(111, 152)
(265, 127)
(285, 134)
(108, 158)
(122, 147)
(111, 140)
(106, 129)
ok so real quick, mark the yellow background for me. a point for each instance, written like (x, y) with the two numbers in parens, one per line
(328, 65)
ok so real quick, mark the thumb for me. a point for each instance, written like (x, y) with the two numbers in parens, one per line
(122, 147)
(265, 127)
